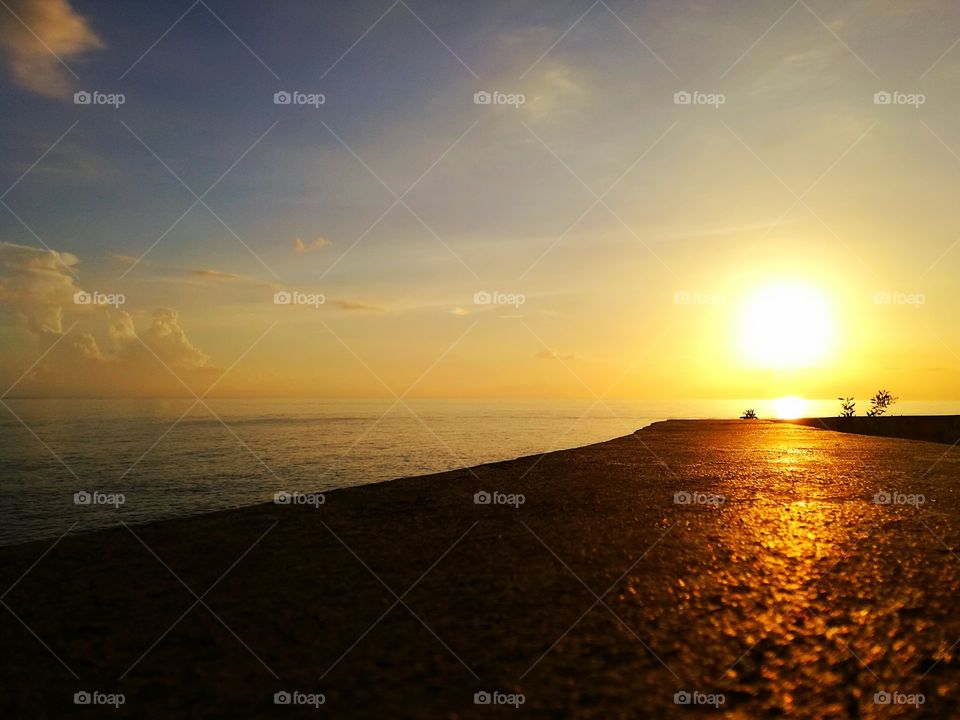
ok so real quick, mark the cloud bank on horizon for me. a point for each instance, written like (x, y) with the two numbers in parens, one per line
(103, 354)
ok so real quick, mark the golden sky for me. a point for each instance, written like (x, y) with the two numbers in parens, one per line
(647, 185)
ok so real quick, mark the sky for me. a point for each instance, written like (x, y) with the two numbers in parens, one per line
(587, 233)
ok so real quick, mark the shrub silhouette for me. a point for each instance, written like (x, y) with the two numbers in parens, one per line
(880, 403)
(848, 409)
(749, 414)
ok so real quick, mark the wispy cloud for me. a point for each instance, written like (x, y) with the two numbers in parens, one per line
(127, 260)
(217, 275)
(300, 247)
(351, 305)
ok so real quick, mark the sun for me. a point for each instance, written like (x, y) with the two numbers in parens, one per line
(785, 325)
(790, 407)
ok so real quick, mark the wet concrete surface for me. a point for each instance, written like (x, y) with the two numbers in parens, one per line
(764, 569)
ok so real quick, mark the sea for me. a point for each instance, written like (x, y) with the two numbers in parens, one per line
(85, 464)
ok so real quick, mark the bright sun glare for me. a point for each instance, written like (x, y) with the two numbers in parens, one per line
(790, 407)
(785, 325)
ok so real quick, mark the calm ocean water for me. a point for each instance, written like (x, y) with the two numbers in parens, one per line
(168, 460)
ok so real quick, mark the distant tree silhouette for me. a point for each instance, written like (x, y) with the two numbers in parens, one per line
(847, 407)
(880, 403)
(749, 414)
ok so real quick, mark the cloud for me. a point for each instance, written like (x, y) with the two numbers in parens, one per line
(121, 326)
(38, 37)
(357, 306)
(553, 85)
(101, 354)
(109, 358)
(178, 273)
(36, 285)
(129, 260)
(169, 341)
(216, 275)
(300, 247)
